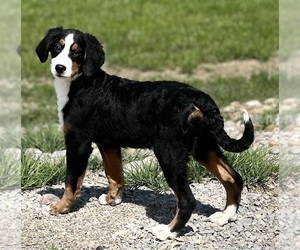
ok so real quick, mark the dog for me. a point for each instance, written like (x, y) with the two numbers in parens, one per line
(173, 119)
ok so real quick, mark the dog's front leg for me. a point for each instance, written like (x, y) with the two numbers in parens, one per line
(113, 169)
(77, 159)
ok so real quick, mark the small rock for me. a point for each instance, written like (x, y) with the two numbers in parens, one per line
(34, 152)
(271, 128)
(253, 104)
(13, 153)
(48, 199)
(58, 155)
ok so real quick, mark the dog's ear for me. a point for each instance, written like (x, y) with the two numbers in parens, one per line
(94, 55)
(43, 48)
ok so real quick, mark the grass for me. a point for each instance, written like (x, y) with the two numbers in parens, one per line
(287, 117)
(37, 110)
(157, 34)
(149, 175)
(289, 166)
(9, 172)
(289, 28)
(254, 165)
(267, 118)
(47, 139)
(226, 90)
(38, 173)
(10, 38)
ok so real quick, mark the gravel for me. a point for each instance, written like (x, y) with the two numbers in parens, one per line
(128, 225)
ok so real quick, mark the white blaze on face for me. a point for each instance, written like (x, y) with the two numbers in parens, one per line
(62, 82)
(63, 59)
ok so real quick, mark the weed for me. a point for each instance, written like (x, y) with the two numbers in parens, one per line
(48, 138)
(254, 165)
(9, 172)
(40, 172)
(267, 118)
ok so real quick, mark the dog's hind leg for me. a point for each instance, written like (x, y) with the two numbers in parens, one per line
(77, 160)
(214, 161)
(114, 173)
(173, 160)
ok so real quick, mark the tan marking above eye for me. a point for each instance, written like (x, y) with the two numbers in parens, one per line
(74, 46)
(61, 42)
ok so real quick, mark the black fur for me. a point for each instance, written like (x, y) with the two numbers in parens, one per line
(115, 112)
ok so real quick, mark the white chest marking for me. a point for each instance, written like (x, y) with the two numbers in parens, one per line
(62, 88)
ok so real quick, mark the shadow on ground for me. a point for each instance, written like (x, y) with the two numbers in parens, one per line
(159, 207)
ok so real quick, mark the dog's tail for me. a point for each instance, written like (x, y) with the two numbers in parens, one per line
(208, 115)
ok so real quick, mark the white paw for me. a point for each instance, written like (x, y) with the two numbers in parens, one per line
(118, 200)
(163, 232)
(215, 216)
(102, 200)
(222, 218)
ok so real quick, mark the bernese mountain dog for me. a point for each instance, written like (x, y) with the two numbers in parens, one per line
(173, 119)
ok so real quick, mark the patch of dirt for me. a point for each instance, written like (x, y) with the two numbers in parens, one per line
(291, 66)
(204, 71)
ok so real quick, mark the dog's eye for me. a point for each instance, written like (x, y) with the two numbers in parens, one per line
(57, 47)
(76, 52)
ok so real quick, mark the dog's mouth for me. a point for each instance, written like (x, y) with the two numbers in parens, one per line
(61, 76)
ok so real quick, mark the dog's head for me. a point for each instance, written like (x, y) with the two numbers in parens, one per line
(72, 52)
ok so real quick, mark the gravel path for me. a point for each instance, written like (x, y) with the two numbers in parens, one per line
(128, 225)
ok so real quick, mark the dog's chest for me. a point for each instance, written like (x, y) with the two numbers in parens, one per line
(62, 88)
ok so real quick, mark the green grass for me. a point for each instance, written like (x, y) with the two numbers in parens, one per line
(289, 37)
(226, 90)
(157, 34)
(149, 175)
(10, 38)
(9, 172)
(289, 166)
(38, 173)
(254, 166)
(47, 139)
(267, 118)
(287, 117)
(37, 110)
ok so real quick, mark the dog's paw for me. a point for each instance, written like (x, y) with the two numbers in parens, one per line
(58, 208)
(222, 218)
(163, 232)
(104, 201)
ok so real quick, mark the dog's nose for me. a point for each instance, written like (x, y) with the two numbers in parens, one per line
(60, 68)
